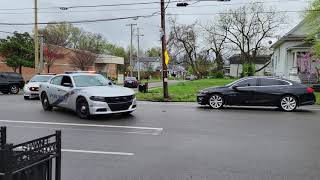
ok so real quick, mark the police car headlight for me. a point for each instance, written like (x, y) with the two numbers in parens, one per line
(97, 98)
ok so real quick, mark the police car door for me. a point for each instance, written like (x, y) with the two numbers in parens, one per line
(64, 91)
(52, 89)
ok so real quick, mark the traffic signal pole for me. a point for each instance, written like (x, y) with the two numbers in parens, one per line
(163, 40)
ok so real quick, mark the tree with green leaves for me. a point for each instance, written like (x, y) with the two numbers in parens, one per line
(154, 52)
(18, 51)
(312, 18)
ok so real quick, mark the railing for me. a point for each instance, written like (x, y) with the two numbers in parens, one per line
(32, 159)
(3, 137)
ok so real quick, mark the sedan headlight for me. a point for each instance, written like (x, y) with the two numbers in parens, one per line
(97, 98)
(203, 92)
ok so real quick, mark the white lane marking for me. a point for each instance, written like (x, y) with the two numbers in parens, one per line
(82, 125)
(97, 152)
(145, 132)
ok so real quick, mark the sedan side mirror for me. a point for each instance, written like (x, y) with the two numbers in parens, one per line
(28, 81)
(67, 85)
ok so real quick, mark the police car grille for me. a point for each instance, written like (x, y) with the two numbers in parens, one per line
(119, 99)
(120, 106)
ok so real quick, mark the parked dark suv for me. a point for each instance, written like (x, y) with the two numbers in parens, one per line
(10, 82)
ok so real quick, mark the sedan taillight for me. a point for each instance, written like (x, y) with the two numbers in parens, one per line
(310, 90)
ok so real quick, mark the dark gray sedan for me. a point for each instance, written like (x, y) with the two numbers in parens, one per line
(259, 91)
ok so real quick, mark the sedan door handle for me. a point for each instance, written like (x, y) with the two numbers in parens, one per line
(58, 90)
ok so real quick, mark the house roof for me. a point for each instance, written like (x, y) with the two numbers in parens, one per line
(303, 45)
(292, 35)
(109, 59)
(261, 59)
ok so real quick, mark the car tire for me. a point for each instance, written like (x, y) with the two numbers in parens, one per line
(5, 92)
(14, 89)
(288, 103)
(82, 108)
(26, 97)
(45, 102)
(216, 101)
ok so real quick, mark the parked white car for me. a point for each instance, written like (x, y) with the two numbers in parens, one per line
(87, 94)
(31, 89)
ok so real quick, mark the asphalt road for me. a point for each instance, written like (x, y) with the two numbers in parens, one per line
(176, 141)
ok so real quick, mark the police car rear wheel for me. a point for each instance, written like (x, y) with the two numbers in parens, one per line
(82, 110)
(45, 102)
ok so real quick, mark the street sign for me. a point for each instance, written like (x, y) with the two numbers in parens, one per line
(166, 56)
(130, 68)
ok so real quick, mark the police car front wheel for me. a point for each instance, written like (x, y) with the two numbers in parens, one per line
(82, 109)
(45, 102)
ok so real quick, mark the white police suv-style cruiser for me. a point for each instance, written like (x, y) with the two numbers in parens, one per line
(87, 94)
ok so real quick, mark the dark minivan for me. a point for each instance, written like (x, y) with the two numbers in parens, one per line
(10, 82)
(259, 91)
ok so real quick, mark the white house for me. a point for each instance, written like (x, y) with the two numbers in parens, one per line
(146, 63)
(235, 65)
(290, 52)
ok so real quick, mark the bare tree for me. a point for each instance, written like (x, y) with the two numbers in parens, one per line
(249, 27)
(216, 38)
(83, 59)
(182, 40)
(51, 54)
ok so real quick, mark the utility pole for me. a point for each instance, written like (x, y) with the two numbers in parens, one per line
(131, 28)
(36, 40)
(41, 54)
(138, 53)
(163, 39)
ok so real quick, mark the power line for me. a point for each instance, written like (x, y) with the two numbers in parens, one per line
(144, 16)
(263, 12)
(6, 32)
(81, 21)
(90, 6)
(139, 3)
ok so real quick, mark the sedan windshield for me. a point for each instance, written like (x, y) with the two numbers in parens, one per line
(90, 80)
(234, 82)
(40, 78)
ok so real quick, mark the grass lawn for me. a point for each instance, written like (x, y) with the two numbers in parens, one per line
(184, 91)
(318, 97)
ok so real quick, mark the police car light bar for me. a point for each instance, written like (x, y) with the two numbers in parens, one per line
(75, 72)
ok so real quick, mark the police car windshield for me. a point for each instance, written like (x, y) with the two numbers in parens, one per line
(90, 80)
(40, 78)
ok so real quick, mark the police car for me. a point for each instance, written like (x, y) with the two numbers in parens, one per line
(87, 94)
(31, 89)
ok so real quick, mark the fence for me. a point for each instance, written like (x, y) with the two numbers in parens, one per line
(30, 160)
(3, 137)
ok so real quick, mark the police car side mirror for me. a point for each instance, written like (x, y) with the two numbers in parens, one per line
(67, 85)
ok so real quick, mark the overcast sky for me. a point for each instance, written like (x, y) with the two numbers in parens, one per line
(117, 32)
